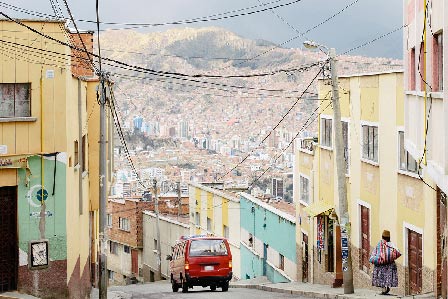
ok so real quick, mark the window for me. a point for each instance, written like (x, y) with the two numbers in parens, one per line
(209, 224)
(346, 150)
(225, 231)
(197, 218)
(109, 220)
(281, 264)
(76, 152)
(407, 163)
(421, 65)
(326, 126)
(123, 224)
(412, 69)
(126, 249)
(113, 247)
(437, 62)
(304, 190)
(111, 274)
(83, 153)
(370, 143)
(15, 100)
(251, 240)
(208, 248)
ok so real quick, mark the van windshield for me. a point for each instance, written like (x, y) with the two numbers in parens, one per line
(207, 248)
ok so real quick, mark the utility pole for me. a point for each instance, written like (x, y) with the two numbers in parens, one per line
(179, 201)
(159, 253)
(102, 192)
(344, 219)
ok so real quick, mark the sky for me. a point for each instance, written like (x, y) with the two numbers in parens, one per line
(362, 22)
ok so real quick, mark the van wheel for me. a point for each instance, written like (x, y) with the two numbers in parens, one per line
(225, 286)
(184, 286)
(213, 287)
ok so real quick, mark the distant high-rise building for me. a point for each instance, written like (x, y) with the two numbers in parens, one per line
(138, 122)
(277, 188)
(183, 129)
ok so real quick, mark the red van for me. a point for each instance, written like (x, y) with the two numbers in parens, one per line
(201, 261)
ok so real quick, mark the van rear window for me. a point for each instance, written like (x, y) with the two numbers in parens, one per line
(207, 248)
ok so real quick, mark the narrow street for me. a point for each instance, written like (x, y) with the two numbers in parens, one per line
(163, 290)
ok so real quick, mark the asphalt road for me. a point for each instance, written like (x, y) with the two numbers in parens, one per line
(162, 290)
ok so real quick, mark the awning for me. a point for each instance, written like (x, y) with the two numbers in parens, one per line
(319, 207)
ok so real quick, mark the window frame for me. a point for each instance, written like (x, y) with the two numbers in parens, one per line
(124, 224)
(367, 158)
(110, 220)
(14, 101)
(326, 134)
(302, 178)
(281, 261)
(128, 251)
(113, 247)
(407, 158)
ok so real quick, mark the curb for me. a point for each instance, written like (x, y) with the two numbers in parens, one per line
(313, 294)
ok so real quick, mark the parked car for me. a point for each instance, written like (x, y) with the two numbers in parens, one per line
(201, 261)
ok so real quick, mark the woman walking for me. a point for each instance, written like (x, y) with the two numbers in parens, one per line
(383, 257)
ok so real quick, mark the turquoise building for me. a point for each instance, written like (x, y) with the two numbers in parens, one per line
(268, 246)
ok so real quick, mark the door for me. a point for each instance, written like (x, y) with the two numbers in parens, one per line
(305, 258)
(265, 258)
(442, 264)
(134, 261)
(415, 262)
(365, 239)
(8, 245)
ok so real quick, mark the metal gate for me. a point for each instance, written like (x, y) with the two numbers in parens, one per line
(8, 244)
(365, 239)
(305, 258)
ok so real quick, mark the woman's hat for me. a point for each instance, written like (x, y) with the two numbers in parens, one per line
(386, 233)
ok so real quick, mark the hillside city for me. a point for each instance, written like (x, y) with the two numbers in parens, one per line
(186, 159)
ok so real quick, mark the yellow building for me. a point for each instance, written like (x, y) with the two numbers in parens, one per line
(48, 159)
(214, 211)
(384, 189)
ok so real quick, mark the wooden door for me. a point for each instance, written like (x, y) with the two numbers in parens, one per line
(415, 262)
(134, 261)
(8, 246)
(305, 258)
(365, 239)
(442, 264)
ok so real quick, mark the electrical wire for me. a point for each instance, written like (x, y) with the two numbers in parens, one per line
(273, 129)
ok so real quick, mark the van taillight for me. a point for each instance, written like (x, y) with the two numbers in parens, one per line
(230, 264)
(187, 266)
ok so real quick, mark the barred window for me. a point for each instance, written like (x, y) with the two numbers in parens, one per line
(15, 100)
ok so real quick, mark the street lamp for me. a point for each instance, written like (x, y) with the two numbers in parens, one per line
(347, 270)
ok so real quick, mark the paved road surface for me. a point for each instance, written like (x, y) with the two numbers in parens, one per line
(162, 290)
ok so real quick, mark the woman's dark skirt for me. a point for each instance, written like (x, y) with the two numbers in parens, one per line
(385, 276)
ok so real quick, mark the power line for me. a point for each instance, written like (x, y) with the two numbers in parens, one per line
(214, 17)
(300, 34)
(273, 129)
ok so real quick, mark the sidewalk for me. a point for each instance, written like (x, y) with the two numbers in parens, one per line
(16, 295)
(315, 290)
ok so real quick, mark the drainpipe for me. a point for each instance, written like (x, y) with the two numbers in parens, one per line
(42, 171)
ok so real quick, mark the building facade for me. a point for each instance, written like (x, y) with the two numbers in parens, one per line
(171, 228)
(125, 238)
(384, 189)
(48, 236)
(425, 50)
(216, 212)
(265, 251)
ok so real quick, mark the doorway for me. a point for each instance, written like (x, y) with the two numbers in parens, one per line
(304, 257)
(8, 246)
(442, 264)
(365, 239)
(265, 258)
(415, 262)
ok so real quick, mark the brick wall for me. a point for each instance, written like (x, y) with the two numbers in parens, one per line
(80, 59)
(132, 209)
(50, 283)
